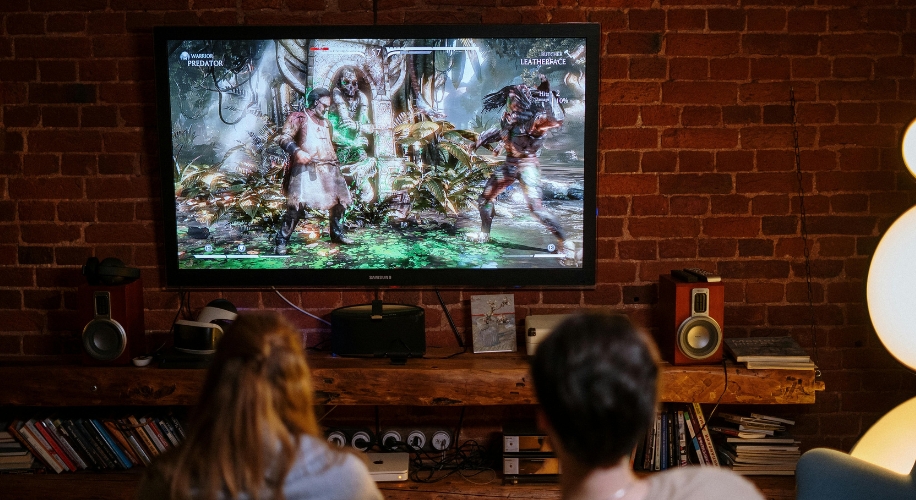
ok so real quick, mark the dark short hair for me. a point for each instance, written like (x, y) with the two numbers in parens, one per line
(316, 94)
(596, 379)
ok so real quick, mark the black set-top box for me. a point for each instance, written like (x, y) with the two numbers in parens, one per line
(395, 331)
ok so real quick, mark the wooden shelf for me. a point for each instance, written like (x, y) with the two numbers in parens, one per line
(464, 380)
(123, 486)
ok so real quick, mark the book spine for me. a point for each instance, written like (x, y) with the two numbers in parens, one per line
(39, 434)
(84, 445)
(681, 439)
(111, 461)
(160, 434)
(707, 439)
(42, 452)
(656, 447)
(160, 446)
(122, 459)
(647, 458)
(138, 449)
(65, 445)
(663, 452)
(152, 450)
(688, 423)
(672, 441)
(125, 447)
(176, 424)
(13, 429)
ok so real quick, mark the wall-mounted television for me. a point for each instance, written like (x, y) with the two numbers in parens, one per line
(380, 156)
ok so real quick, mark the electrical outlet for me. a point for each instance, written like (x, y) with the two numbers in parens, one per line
(416, 439)
(441, 440)
(361, 440)
(391, 438)
(337, 438)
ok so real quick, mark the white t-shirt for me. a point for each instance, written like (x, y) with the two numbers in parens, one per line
(700, 483)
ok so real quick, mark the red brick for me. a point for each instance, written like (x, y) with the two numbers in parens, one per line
(686, 19)
(664, 227)
(778, 225)
(18, 71)
(654, 116)
(688, 68)
(699, 116)
(38, 164)
(888, 203)
(689, 205)
(773, 137)
(729, 68)
(855, 203)
(59, 116)
(732, 115)
(779, 44)
(836, 224)
(126, 93)
(775, 161)
(25, 24)
(36, 210)
(603, 295)
(839, 246)
(696, 161)
(806, 21)
(607, 248)
(649, 205)
(894, 66)
(731, 226)
(21, 116)
(698, 45)
(120, 233)
(764, 292)
(852, 67)
(708, 93)
(637, 250)
(628, 138)
(815, 113)
(76, 211)
(613, 205)
(771, 68)
(874, 135)
(50, 233)
(11, 142)
(98, 23)
(810, 67)
(646, 20)
(222, 18)
(614, 272)
(78, 164)
(766, 182)
(46, 188)
(613, 68)
(897, 112)
(116, 211)
(860, 43)
(677, 248)
(99, 116)
(729, 204)
(98, 70)
(556, 16)
(611, 184)
(755, 248)
(135, 69)
(620, 162)
(630, 92)
(717, 247)
(66, 23)
(695, 183)
(619, 116)
(766, 19)
(648, 68)
(609, 19)
(700, 138)
(879, 90)
(52, 47)
(858, 112)
(633, 43)
(105, 188)
(659, 161)
(65, 141)
(770, 204)
(737, 314)
(49, 93)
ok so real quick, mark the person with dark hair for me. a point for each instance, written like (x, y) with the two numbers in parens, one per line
(596, 380)
(254, 434)
(312, 178)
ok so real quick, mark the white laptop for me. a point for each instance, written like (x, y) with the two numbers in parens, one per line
(388, 466)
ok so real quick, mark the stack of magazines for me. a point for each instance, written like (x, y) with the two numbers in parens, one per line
(756, 444)
(771, 353)
(13, 456)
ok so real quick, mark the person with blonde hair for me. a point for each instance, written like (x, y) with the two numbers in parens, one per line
(254, 434)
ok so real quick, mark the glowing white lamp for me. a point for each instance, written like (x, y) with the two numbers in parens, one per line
(909, 147)
(889, 442)
(892, 286)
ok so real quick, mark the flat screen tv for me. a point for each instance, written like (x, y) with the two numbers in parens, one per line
(379, 156)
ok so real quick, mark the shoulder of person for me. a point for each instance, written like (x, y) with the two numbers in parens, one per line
(706, 483)
(329, 473)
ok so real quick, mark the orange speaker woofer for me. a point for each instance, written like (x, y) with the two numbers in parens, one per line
(690, 318)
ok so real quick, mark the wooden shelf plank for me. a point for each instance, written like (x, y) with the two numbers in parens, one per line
(123, 486)
(465, 380)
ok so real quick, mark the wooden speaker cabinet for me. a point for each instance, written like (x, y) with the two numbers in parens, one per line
(113, 325)
(690, 319)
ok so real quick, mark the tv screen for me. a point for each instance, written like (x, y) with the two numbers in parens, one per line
(378, 156)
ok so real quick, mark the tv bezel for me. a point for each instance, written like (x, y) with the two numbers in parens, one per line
(583, 276)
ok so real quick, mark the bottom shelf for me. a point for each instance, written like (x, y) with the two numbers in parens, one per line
(123, 486)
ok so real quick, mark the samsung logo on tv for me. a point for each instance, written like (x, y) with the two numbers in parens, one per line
(379, 277)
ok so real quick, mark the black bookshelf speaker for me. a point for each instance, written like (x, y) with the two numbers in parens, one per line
(690, 317)
(112, 315)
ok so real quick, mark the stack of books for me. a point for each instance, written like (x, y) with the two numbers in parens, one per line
(771, 353)
(72, 444)
(13, 456)
(756, 444)
(680, 437)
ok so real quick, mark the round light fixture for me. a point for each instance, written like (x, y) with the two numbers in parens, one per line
(891, 287)
(909, 147)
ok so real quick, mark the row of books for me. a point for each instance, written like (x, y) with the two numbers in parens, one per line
(72, 444)
(770, 353)
(756, 444)
(680, 437)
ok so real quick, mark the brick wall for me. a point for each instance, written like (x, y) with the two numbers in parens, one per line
(696, 164)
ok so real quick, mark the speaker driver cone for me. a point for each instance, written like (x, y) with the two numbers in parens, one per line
(699, 337)
(104, 339)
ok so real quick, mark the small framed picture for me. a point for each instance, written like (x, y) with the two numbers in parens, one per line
(493, 323)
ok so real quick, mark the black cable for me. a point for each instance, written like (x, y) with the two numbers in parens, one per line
(724, 390)
(449, 318)
(804, 231)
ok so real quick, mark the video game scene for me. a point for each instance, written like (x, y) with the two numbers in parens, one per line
(378, 154)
